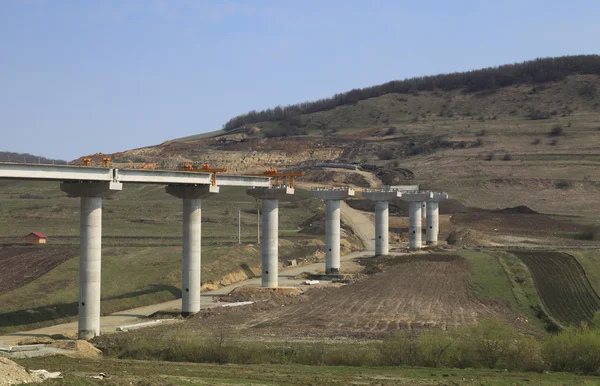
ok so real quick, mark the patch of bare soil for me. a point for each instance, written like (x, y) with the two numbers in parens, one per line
(14, 374)
(405, 292)
(462, 237)
(77, 348)
(514, 221)
(342, 177)
(21, 265)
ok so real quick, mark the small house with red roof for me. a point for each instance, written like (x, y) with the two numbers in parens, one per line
(36, 238)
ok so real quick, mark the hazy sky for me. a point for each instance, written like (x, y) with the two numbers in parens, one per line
(80, 77)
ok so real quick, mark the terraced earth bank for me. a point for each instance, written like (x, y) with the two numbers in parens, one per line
(563, 285)
(21, 265)
(404, 292)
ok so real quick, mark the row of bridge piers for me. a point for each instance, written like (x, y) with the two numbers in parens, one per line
(92, 193)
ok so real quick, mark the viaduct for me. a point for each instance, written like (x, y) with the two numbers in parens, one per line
(92, 184)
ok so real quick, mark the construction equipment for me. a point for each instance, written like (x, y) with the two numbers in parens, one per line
(106, 162)
(146, 166)
(205, 168)
(276, 175)
(87, 162)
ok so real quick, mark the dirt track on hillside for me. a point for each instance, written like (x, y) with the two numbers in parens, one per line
(413, 293)
(21, 265)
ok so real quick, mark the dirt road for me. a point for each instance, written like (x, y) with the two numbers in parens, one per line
(359, 222)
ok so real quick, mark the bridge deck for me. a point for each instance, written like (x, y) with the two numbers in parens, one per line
(16, 171)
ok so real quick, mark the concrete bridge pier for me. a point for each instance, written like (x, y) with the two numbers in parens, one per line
(192, 242)
(415, 201)
(332, 198)
(270, 226)
(381, 198)
(90, 255)
(433, 218)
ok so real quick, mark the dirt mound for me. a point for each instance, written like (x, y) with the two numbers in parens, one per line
(518, 224)
(522, 209)
(342, 177)
(468, 237)
(79, 348)
(13, 374)
(257, 294)
(21, 265)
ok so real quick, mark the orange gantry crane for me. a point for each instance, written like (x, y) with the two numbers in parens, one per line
(145, 166)
(276, 175)
(105, 162)
(205, 168)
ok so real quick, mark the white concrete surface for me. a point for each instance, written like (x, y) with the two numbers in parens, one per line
(382, 228)
(15, 171)
(90, 267)
(433, 217)
(414, 225)
(270, 243)
(381, 198)
(332, 236)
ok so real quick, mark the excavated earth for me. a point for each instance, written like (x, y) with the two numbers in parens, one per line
(404, 292)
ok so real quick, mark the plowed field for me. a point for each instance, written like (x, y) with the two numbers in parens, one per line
(412, 292)
(563, 286)
(21, 265)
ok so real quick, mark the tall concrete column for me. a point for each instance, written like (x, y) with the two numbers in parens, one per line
(433, 217)
(90, 256)
(270, 244)
(332, 198)
(270, 233)
(191, 261)
(192, 256)
(414, 217)
(414, 225)
(90, 259)
(381, 228)
(332, 236)
(381, 198)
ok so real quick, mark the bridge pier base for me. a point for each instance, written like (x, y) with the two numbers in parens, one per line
(90, 244)
(192, 242)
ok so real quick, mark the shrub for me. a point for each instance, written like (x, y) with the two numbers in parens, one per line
(437, 348)
(481, 133)
(537, 114)
(590, 233)
(536, 141)
(489, 156)
(401, 349)
(573, 350)
(391, 130)
(507, 157)
(556, 131)
(563, 184)
(553, 142)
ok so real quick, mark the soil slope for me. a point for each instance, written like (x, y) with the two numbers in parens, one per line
(409, 293)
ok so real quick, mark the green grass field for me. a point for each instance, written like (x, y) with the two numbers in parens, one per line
(127, 372)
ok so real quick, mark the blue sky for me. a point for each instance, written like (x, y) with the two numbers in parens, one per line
(80, 77)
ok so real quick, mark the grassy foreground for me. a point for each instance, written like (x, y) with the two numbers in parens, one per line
(129, 372)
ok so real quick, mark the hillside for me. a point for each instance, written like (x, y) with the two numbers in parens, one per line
(7, 156)
(531, 143)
